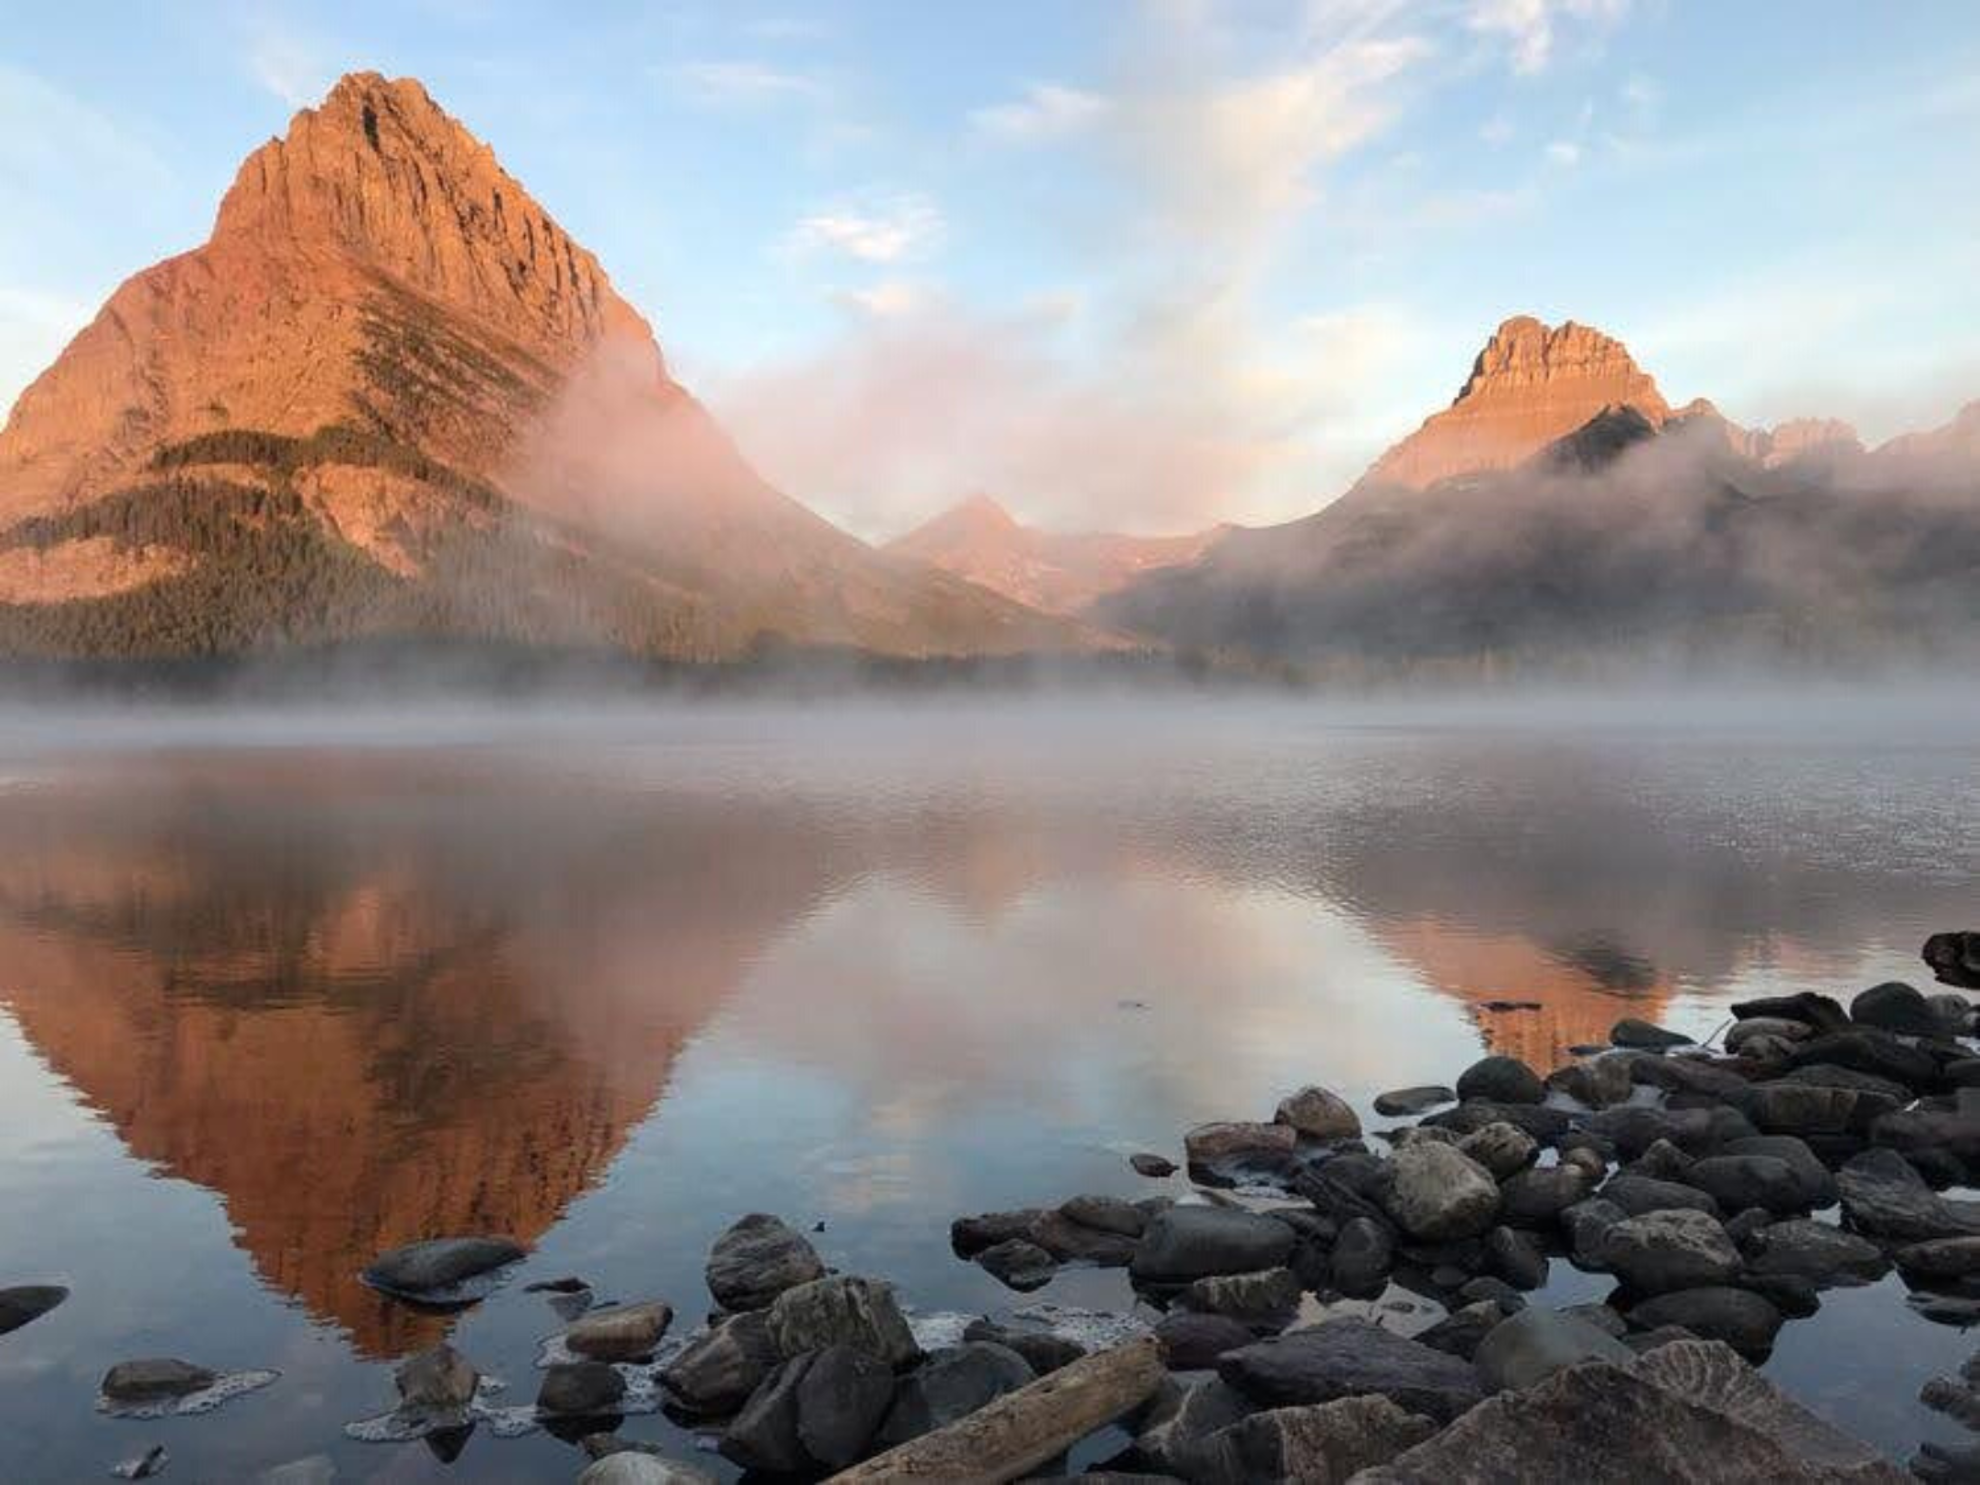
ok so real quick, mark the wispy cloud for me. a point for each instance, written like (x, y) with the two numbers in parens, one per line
(892, 230)
(1563, 152)
(1531, 29)
(1045, 111)
(296, 68)
(742, 83)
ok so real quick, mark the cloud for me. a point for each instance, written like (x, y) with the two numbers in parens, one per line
(889, 299)
(295, 68)
(1531, 28)
(1564, 152)
(1046, 111)
(743, 84)
(886, 231)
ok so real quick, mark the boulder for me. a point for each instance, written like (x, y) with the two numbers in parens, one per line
(429, 1269)
(1639, 1195)
(1229, 1150)
(1193, 1342)
(1883, 1197)
(842, 1311)
(1399, 1102)
(1501, 1079)
(155, 1379)
(1932, 1132)
(1941, 1260)
(1742, 1319)
(969, 1236)
(1320, 1442)
(951, 1384)
(1362, 1258)
(1516, 1258)
(1537, 1342)
(1043, 1351)
(1186, 1243)
(1778, 1028)
(1437, 1194)
(1021, 1265)
(1816, 1180)
(1791, 1107)
(1265, 1299)
(1895, 1006)
(622, 1333)
(1816, 1251)
(1503, 1149)
(27, 1302)
(1178, 1427)
(1597, 1082)
(716, 1372)
(1820, 1013)
(1351, 1358)
(1069, 1241)
(764, 1434)
(1662, 1251)
(1319, 1115)
(634, 1467)
(1461, 1332)
(1736, 1182)
(816, 1413)
(1538, 1197)
(436, 1380)
(1642, 1036)
(581, 1389)
(1867, 1050)
(757, 1259)
(1587, 1225)
(1111, 1214)
(1954, 958)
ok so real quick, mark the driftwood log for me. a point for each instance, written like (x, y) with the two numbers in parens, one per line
(1021, 1430)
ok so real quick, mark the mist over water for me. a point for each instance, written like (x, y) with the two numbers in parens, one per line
(288, 986)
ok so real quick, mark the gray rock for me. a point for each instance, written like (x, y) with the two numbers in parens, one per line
(1663, 1251)
(1640, 1195)
(1265, 1299)
(1351, 1358)
(1807, 1249)
(1777, 1027)
(1193, 1342)
(155, 1378)
(757, 1259)
(1461, 1332)
(1609, 1322)
(1820, 1013)
(764, 1434)
(1538, 1197)
(1867, 1050)
(842, 1311)
(1587, 1225)
(1236, 1151)
(1642, 1036)
(1075, 1242)
(1883, 1197)
(1438, 1194)
(1501, 1080)
(1536, 1343)
(1362, 1258)
(952, 1384)
(1186, 1243)
(842, 1399)
(621, 1333)
(1817, 1181)
(1322, 1442)
(717, 1372)
(1111, 1214)
(1043, 1351)
(629, 1467)
(1935, 1132)
(1736, 1182)
(1516, 1258)
(1742, 1319)
(437, 1380)
(1319, 1114)
(1503, 1149)
(1954, 958)
(1940, 1260)
(440, 1264)
(1789, 1107)
(1398, 1102)
(1543, 1123)
(1598, 1082)
(1021, 1265)
(1663, 1161)
(1147, 1164)
(26, 1302)
(971, 1235)
(1177, 1428)
(581, 1389)
(1896, 1006)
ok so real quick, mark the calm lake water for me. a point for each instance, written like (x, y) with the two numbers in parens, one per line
(279, 993)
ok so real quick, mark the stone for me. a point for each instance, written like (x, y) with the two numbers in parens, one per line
(1642, 1036)
(1074, 1242)
(1587, 1225)
(764, 1434)
(1789, 1107)
(1940, 1260)
(28, 1302)
(1186, 1243)
(1816, 1251)
(1739, 1181)
(1537, 1342)
(1499, 1079)
(1663, 1161)
(1688, 1413)
(1400, 1102)
(1438, 1194)
(1816, 1180)
(1174, 1434)
(969, 1236)
(1461, 1332)
(155, 1378)
(436, 1380)
(1362, 1258)
(842, 1311)
(1233, 1150)
(1820, 1013)
(1935, 1133)
(1883, 1197)
(1636, 1127)
(1543, 1123)
(582, 1389)
(842, 1399)
(1490, 1286)
(1953, 1464)
(1265, 1299)
(1597, 1082)
(1954, 1013)
(622, 1333)
(1609, 1321)
(1779, 1028)
(716, 1372)
(1639, 1195)
(1043, 1351)
(420, 1270)
(1193, 1342)
(1538, 1197)
(1867, 1050)
(1322, 1442)
(1895, 1006)
(952, 1384)
(756, 1259)
(1890, 1095)
(1954, 958)
(1109, 1214)
(631, 1467)
(1742, 1319)
(1319, 1114)
(1503, 1149)
(1351, 1358)
(1667, 1250)
(1516, 1258)
(1020, 1265)
(1146, 1164)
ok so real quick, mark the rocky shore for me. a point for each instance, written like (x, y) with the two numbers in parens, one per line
(1321, 1301)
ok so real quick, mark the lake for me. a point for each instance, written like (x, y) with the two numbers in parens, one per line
(280, 991)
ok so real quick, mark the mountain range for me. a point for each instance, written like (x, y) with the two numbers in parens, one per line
(391, 399)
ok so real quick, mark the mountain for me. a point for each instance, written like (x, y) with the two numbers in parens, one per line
(1635, 536)
(390, 395)
(1057, 572)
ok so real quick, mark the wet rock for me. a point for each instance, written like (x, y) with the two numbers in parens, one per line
(437, 1380)
(1789, 1107)
(1193, 1342)
(1779, 1028)
(1817, 1251)
(1609, 1322)
(1587, 1225)
(1895, 1006)
(1736, 1181)
(1955, 1464)
(1816, 1180)
(1954, 958)
(422, 1270)
(1319, 1114)
(1598, 1082)
(1954, 1013)
(1634, 1128)
(1820, 1013)
(1791, 1294)
(1663, 1161)
(1877, 1053)
(1954, 1399)
(757, 1259)
(1492, 1287)
(1537, 1342)
(1939, 1168)
(1640, 1195)
(1503, 1149)
(1074, 1242)
(154, 1379)
(1265, 1299)
(1516, 1258)
(1018, 1264)
(1237, 1144)
(1186, 1243)
(1689, 1413)
(969, 1236)
(842, 1399)
(622, 1333)
(763, 1435)
(1437, 1194)
(1538, 1197)
(1668, 1250)
(1362, 1258)
(27, 1302)
(1323, 1442)
(1174, 1435)
(1461, 1332)
(1499, 1079)
(630, 1467)
(1883, 1197)
(1544, 1124)
(1351, 1358)
(581, 1389)
(1642, 1036)
(1941, 1260)
(842, 1311)
(1147, 1164)
(1828, 1075)
(1934, 1132)
(1109, 1214)
(1742, 1319)
(1398, 1102)
(952, 1384)
(718, 1371)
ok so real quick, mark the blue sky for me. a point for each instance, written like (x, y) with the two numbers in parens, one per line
(1120, 264)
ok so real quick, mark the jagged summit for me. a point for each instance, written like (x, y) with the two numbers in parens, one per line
(1531, 385)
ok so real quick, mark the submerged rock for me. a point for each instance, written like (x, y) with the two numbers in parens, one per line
(1019, 1264)
(430, 1270)
(757, 1259)
(1351, 1358)
(582, 1389)
(437, 1380)
(1187, 1243)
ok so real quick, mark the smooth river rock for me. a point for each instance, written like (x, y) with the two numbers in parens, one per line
(1500, 1079)
(757, 1259)
(1436, 1194)
(1742, 1319)
(1319, 1114)
(621, 1333)
(1352, 1358)
(438, 1264)
(582, 1389)
(1398, 1102)
(154, 1378)
(1537, 1342)
(437, 1380)
(1662, 1251)
(1824, 1254)
(1186, 1243)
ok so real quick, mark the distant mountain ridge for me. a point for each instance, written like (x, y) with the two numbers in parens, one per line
(1057, 572)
